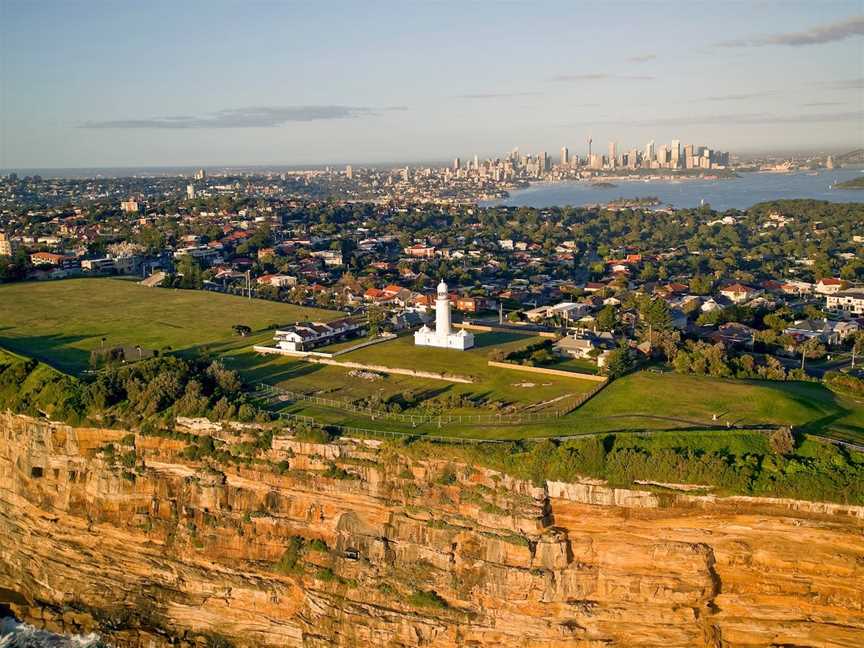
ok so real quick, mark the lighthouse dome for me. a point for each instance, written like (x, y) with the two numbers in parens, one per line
(442, 289)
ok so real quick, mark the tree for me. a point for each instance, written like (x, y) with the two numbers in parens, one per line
(701, 285)
(812, 348)
(653, 315)
(857, 346)
(781, 441)
(606, 318)
(618, 363)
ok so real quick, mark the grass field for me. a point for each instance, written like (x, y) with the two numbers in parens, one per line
(809, 406)
(61, 322)
(491, 383)
(647, 401)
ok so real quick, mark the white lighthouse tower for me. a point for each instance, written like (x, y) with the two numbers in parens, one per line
(443, 335)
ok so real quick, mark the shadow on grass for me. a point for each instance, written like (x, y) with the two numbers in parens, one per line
(54, 350)
(825, 405)
(275, 373)
(484, 340)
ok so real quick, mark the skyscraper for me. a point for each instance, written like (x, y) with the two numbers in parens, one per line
(565, 156)
(688, 156)
(7, 245)
(676, 153)
(349, 172)
(649, 152)
(457, 163)
(613, 156)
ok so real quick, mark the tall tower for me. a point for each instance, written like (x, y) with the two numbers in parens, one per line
(442, 312)
(649, 152)
(565, 156)
(613, 154)
(589, 148)
(676, 153)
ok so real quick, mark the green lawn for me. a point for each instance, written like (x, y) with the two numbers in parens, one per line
(492, 384)
(810, 407)
(61, 322)
(647, 401)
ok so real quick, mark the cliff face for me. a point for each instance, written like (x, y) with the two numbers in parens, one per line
(152, 549)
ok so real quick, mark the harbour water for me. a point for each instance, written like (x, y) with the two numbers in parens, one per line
(733, 193)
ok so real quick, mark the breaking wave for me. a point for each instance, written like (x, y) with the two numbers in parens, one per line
(14, 634)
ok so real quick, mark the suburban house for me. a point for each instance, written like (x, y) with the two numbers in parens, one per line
(829, 286)
(309, 335)
(734, 334)
(847, 301)
(825, 331)
(710, 305)
(738, 293)
(569, 311)
(584, 345)
(277, 280)
(51, 259)
(797, 288)
(474, 304)
(420, 251)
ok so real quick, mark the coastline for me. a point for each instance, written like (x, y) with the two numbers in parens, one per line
(740, 192)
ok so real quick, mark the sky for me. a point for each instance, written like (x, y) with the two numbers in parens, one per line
(210, 82)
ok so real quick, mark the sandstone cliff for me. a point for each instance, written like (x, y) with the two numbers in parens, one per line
(355, 544)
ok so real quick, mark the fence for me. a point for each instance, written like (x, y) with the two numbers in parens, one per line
(550, 372)
(269, 392)
(350, 431)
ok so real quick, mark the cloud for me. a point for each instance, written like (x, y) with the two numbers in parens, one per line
(601, 77)
(497, 95)
(644, 58)
(853, 26)
(842, 84)
(736, 97)
(822, 104)
(253, 117)
(740, 118)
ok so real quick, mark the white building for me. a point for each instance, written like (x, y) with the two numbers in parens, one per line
(849, 301)
(443, 335)
(309, 335)
(829, 286)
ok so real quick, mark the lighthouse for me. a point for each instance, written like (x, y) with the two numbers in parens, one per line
(442, 311)
(443, 335)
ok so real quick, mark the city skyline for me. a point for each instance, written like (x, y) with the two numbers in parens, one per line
(106, 85)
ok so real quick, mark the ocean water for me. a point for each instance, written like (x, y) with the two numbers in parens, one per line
(20, 635)
(733, 193)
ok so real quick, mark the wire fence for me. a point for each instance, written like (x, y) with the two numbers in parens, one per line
(275, 394)
(366, 433)
(270, 392)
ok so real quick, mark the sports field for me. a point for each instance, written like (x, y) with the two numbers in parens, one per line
(61, 322)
